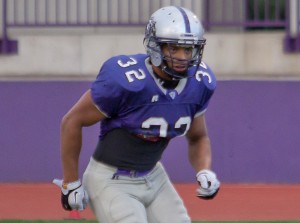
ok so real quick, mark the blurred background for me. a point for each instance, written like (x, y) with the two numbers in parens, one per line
(51, 51)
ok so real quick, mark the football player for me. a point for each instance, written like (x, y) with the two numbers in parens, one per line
(142, 102)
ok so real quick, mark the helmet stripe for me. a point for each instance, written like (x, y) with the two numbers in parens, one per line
(186, 19)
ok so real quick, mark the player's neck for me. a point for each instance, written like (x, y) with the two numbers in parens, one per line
(159, 73)
(165, 80)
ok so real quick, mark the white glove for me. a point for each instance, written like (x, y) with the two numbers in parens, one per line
(73, 195)
(209, 184)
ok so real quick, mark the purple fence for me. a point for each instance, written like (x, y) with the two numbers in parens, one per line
(227, 15)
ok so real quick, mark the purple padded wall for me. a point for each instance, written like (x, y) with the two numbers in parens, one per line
(254, 129)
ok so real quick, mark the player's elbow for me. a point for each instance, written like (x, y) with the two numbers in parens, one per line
(70, 121)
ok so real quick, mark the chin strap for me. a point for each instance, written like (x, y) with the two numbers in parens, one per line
(171, 73)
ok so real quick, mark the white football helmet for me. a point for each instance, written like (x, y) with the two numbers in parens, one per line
(178, 26)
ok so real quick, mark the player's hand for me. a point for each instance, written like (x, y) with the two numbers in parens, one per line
(73, 195)
(208, 184)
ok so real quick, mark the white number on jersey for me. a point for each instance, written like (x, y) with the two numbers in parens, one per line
(204, 74)
(131, 61)
(138, 74)
(163, 124)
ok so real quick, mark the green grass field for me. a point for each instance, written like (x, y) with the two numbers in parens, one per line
(77, 221)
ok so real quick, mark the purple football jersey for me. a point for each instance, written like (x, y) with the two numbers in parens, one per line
(132, 97)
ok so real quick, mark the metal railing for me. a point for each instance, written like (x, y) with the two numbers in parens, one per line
(246, 13)
(37, 13)
(226, 15)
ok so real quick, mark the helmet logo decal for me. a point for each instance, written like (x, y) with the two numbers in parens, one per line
(150, 29)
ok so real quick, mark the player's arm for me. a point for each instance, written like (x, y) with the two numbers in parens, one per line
(83, 113)
(199, 144)
(200, 157)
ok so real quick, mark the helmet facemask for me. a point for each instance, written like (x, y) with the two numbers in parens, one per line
(170, 62)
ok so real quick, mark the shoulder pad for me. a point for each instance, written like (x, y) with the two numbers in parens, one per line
(128, 71)
(206, 76)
